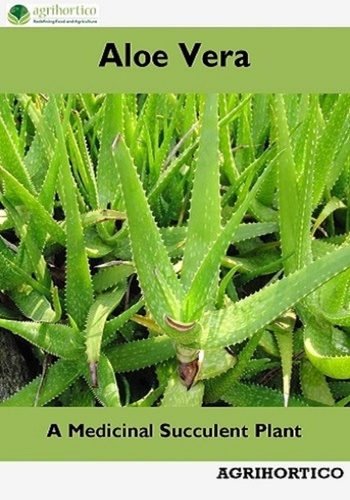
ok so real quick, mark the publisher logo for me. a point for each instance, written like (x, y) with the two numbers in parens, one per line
(53, 14)
(18, 14)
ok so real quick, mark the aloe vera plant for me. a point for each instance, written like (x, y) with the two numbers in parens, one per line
(177, 250)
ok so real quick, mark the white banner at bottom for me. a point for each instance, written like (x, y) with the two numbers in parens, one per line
(170, 480)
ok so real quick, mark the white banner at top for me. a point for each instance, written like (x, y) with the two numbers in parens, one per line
(182, 13)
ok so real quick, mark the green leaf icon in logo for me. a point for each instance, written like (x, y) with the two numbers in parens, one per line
(18, 14)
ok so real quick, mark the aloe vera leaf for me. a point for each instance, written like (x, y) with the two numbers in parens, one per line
(36, 161)
(217, 387)
(33, 305)
(102, 307)
(257, 366)
(147, 322)
(242, 319)
(39, 155)
(225, 282)
(168, 174)
(340, 318)
(57, 378)
(5, 222)
(333, 298)
(343, 402)
(22, 136)
(13, 275)
(215, 362)
(36, 235)
(177, 395)
(99, 242)
(269, 344)
(98, 216)
(11, 160)
(107, 391)
(41, 120)
(307, 108)
(248, 395)
(7, 116)
(76, 395)
(148, 153)
(205, 218)
(331, 206)
(327, 347)
(245, 150)
(333, 136)
(303, 253)
(10, 276)
(174, 237)
(229, 166)
(314, 384)
(165, 371)
(56, 303)
(133, 113)
(95, 248)
(114, 324)
(110, 276)
(79, 291)
(287, 187)
(285, 346)
(16, 191)
(91, 104)
(196, 297)
(57, 339)
(140, 354)
(252, 268)
(168, 112)
(236, 110)
(29, 256)
(150, 399)
(293, 110)
(85, 167)
(339, 168)
(107, 173)
(339, 388)
(182, 121)
(188, 123)
(260, 120)
(184, 157)
(255, 167)
(161, 288)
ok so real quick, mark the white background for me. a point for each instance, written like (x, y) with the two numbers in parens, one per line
(159, 481)
(186, 13)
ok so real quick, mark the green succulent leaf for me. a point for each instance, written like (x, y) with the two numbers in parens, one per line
(102, 307)
(79, 290)
(242, 319)
(57, 378)
(230, 210)
(314, 384)
(328, 348)
(205, 215)
(177, 395)
(107, 391)
(57, 339)
(161, 288)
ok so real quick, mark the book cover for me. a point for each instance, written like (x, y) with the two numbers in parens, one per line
(174, 248)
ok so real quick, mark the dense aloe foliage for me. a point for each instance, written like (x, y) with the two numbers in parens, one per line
(177, 250)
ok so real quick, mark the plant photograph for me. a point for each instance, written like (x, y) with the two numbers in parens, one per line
(175, 250)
